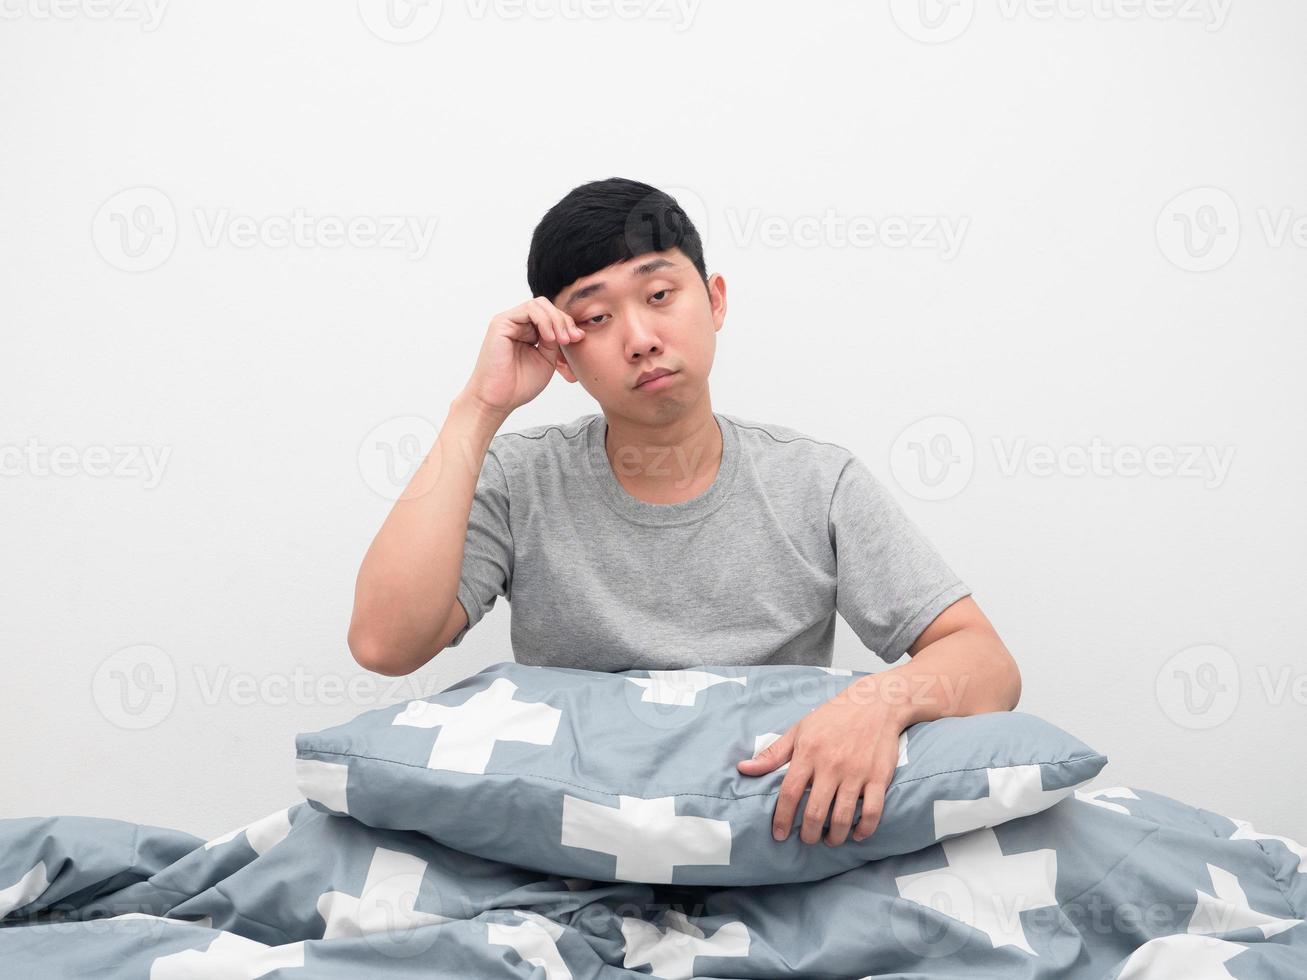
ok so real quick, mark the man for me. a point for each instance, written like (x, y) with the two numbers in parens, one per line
(660, 534)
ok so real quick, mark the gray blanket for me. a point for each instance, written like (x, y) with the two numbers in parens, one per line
(1110, 882)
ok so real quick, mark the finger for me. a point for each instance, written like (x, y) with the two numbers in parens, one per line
(841, 814)
(814, 814)
(544, 322)
(774, 755)
(528, 314)
(529, 317)
(517, 326)
(570, 329)
(873, 804)
(787, 800)
(560, 322)
(523, 330)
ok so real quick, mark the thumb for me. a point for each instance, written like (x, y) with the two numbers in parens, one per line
(769, 758)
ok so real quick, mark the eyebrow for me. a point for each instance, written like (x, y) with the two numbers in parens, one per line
(640, 270)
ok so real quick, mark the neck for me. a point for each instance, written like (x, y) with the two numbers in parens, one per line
(665, 461)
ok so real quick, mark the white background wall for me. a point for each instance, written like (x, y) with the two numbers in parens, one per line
(287, 389)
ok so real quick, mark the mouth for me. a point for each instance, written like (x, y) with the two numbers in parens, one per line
(660, 373)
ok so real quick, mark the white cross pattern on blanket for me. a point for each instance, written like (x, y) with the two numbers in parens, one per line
(985, 888)
(1243, 830)
(679, 687)
(1094, 796)
(535, 940)
(647, 836)
(1190, 957)
(670, 953)
(388, 901)
(469, 731)
(1228, 909)
(228, 957)
(262, 834)
(25, 890)
(1014, 791)
(204, 921)
(760, 742)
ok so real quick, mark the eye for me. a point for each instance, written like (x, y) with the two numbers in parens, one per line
(594, 321)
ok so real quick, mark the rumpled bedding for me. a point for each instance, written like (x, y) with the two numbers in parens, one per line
(1110, 882)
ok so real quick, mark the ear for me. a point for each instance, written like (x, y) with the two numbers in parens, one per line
(717, 299)
(563, 368)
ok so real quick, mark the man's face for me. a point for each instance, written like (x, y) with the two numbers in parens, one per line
(652, 311)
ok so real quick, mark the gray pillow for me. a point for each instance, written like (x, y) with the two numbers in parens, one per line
(632, 776)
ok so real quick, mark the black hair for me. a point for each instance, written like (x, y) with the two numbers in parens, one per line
(604, 222)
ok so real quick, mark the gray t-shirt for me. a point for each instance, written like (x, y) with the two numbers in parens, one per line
(751, 571)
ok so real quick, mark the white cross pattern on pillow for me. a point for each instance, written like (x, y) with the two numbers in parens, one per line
(1014, 791)
(647, 836)
(469, 731)
(670, 953)
(760, 742)
(323, 782)
(679, 687)
(985, 888)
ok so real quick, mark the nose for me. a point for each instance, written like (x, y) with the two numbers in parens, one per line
(647, 351)
(642, 339)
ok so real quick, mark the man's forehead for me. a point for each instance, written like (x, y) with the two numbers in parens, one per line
(633, 268)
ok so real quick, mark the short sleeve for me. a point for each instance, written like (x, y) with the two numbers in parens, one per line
(488, 549)
(891, 582)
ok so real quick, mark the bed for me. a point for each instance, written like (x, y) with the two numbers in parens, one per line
(558, 823)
